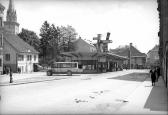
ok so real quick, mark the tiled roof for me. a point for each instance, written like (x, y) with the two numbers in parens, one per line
(20, 45)
(125, 51)
(2, 7)
(155, 48)
(83, 46)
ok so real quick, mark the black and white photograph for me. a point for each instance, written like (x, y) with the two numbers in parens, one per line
(84, 57)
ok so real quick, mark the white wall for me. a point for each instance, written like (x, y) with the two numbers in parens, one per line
(27, 65)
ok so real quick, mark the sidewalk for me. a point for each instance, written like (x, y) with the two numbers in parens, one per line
(28, 78)
(147, 99)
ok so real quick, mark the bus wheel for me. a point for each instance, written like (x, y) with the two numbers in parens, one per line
(49, 73)
(69, 73)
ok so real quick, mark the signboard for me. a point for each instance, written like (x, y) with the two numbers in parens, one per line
(102, 59)
(106, 41)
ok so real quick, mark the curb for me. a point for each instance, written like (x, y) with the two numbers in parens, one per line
(27, 82)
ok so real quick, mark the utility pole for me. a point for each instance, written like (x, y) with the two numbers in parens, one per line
(129, 55)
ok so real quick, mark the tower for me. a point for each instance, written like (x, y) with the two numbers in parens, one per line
(11, 24)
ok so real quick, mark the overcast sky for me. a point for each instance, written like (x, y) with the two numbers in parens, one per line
(135, 21)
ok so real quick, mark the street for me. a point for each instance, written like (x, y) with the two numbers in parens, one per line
(79, 94)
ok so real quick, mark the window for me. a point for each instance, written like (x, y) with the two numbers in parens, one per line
(0, 62)
(7, 57)
(20, 57)
(29, 57)
(1, 23)
(35, 57)
(1, 41)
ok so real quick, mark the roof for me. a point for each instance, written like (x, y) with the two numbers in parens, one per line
(2, 7)
(19, 45)
(155, 48)
(94, 54)
(83, 46)
(124, 51)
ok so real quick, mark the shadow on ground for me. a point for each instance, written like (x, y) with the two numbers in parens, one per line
(139, 77)
(157, 100)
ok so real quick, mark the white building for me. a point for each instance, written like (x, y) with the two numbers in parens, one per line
(16, 52)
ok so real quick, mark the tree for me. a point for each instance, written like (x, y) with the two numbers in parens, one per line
(54, 41)
(30, 37)
(45, 38)
(66, 36)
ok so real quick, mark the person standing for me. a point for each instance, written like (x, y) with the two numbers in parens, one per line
(10, 74)
(158, 73)
(153, 76)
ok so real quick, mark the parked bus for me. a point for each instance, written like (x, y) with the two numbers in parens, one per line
(64, 68)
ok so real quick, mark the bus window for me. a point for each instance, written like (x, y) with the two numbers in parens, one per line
(74, 65)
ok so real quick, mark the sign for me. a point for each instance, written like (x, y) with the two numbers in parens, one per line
(95, 38)
(102, 59)
(106, 41)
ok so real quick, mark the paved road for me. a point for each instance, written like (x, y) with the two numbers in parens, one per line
(89, 93)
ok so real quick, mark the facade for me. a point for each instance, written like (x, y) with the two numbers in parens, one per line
(163, 38)
(92, 61)
(153, 57)
(17, 54)
(1, 36)
(137, 60)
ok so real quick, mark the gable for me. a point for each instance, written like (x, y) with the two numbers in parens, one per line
(82, 46)
(18, 44)
(125, 52)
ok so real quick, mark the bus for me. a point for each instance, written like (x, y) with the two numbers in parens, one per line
(64, 68)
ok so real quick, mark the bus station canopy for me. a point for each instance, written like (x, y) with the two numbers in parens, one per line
(94, 54)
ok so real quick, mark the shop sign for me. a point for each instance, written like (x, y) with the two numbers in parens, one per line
(102, 59)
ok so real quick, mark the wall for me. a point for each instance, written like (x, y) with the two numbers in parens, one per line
(8, 49)
(27, 65)
(163, 38)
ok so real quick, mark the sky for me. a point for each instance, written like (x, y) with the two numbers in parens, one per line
(128, 21)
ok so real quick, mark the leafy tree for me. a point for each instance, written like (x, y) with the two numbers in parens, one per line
(67, 35)
(30, 37)
(55, 40)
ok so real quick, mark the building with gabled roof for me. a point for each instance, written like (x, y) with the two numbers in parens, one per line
(17, 54)
(136, 58)
(153, 56)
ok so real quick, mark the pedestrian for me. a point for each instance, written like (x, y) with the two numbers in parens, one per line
(10, 74)
(158, 73)
(153, 76)
(7, 70)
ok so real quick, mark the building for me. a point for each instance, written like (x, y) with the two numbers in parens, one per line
(153, 57)
(137, 60)
(2, 8)
(163, 38)
(92, 61)
(16, 52)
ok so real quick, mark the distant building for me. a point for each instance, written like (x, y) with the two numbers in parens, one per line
(17, 54)
(153, 57)
(2, 8)
(163, 35)
(137, 60)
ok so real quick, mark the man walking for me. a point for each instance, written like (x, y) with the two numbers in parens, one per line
(153, 76)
